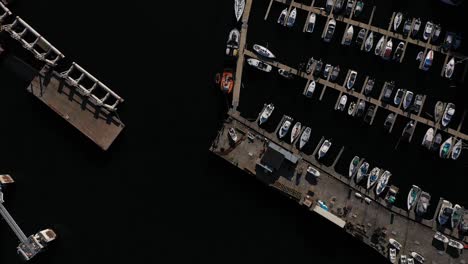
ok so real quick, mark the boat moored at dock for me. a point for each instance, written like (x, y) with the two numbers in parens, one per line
(383, 181)
(353, 166)
(284, 128)
(264, 52)
(282, 16)
(348, 37)
(291, 18)
(438, 236)
(296, 130)
(342, 104)
(369, 42)
(428, 138)
(397, 21)
(445, 212)
(232, 46)
(259, 65)
(373, 177)
(310, 89)
(380, 46)
(330, 31)
(324, 149)
(445, 148)
(428, 30)
(305, 137)
(448, 114)
(428, 60)
(362, 172)
(239, 6)
(351, 80)
(457, 215)
(423, 203)
(311, 23)
(413, 196)
(449, 68)
(456, 150)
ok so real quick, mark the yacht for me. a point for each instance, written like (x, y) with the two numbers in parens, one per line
(304, 137)
(326, 72)
(329, 6)
(351, 108)
(358, 9)
(369, 42)
(449, 68)
(351, 80)
(457, 148)
(239, 6)
(259, 65)
(353, 166)
(360, 36)
(399, 51)
(383, 181)
(438, 111)
(388, 50)
(416, 27)
(331, 25)
(284, 128)
(457, 215)
(407, 99)
(418, 257)
(428, 60)
(348, 37)
(423, 203)
(397, 21)
(296, 130)
(389, 121)
(398, 97)
(324, 148)
(282, 16)
(291, 18)
(448, 114)
(407, 27)
(445, 212)
(413, 196)
(379, 47)
(438, 236)
(286, 74)
(437, 142)
(428, 138)
(310, 89)
(341, 106)
(233, 135)
(266, 113)
(232, 46)
(369, 86)
(264, 52)
(373, 177)
(428, 30)
(311, 23)
(361, 108)
(445, 148)
(362, 172)
(335, 73)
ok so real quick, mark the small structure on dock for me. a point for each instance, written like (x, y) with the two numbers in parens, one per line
(274, 157)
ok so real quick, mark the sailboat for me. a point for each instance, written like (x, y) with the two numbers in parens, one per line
(445, 148)
(407, 99)
(310, 89)
(428, 60)
(445, 212)
(428, 30)
(397, 21)
(369, 42)
(351, 108)
(379, 46)
(341, 106)
(351, 79)
(369, 86)
(284, 128)
(450, 68)
(438, 111)
(232, 46)
(362, 172)
(264, 52)
(428, 138)
(383, 181)
(360, 36)
(311, 23)
(388, 50)
(416, 27)
(407, 27)
(324, 148)
(413, 196)
(353, 166)
(457, 148)
(448, 114)
(282, 16)
(304, 137)
(423, 203)
(259, 65)
(291, 18)
(266, 113)
(373, 177)
(348, 37)
(239, 6)
(457, 215)
(296, 130)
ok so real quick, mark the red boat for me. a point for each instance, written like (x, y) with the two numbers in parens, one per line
(226, 81)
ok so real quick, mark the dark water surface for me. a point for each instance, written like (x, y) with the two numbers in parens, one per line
(158, 195)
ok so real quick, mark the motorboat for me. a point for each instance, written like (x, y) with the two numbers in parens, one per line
(457, 215)
(342, 104)
(448, 114)
(369, 114)
(304, 137)
(379, 47)
(388, 90)
(296, 130)
(326, 72)
(310, 89)
(284, 128)
(397, 21)
(313, 171)
(457, 148)
(382, 182)
(395, 244)
(362, 172)
(348, 37)
(353, 166)
(456, 244)
(388, 50)
(423, 203)
(398, 96)
(437, 31)
(329, 6)
(291, 18)
(369, 86)
(438, 236)
(428, 60)
(259, 65)
(351, 108)
(428, 138)
(389, 121)
(349, 7)
(226, 81)
(239, 6)
(335, 73)
(351, 79)
(413, 196)
(437, 142)
(392, 255)
(264, 52)
(403, 259)
(369, 42)
(309, 66)
(282, 16)
(232, 134)
(445, 148)
(416, 27)
(373, 177)
(438, 111)
(445, 212)
(418, 257)
(361, 108)
(428, 30)
(360, 36)
(311, 23)
(338, 6)
(418, 102)
(232, 46)
(331, 25)
(324, 148)
(266, 113)
(286, 74)
(399, 51)
(449, 68)
(358, 9)
(318, 67)
(407, 27)
(407, 99)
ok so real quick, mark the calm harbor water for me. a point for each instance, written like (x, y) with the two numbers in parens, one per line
(158, 194)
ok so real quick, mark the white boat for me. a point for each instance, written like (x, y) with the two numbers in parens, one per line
(388, 50)
(379, 46)
(239, 6)
(264, 52)
(416, 27)
(284, 128)
(305, 137)
(403, 259)
(448, 114)
(445, 212)
(457, 148)
(259, 65)
(392, 255)
(331, 25)
(373, 177)
(324, 149)
(311, 23)
(397, 21)
(441, 237)
(445, 148)
(398, 97)
(335, 73)
(428, 138)
(418, 257)
(410, 260)
(423, 203)
(382, 183)
(295, 131)
(351, 108)
(353, 166)
(313, 171)
(407, 99)
(341, 106)
(291, 18)
(310, 89)
(450, 68)
(351, 79)
(369, 42)
(232, 135)
(413, 196)
(282, 16)
(362, 172)
(428, 60)
(232, 46)
(455, 244)
(266, 113)
(286, 74)
(457, 215)
(395, 244)
(348, 37)
(428, 30)
(326, 72)
(439, 111)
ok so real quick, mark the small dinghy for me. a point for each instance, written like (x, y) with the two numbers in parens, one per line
(388, 50)
(351, 80)
(407, 27)
(239, 6)
(264, 52)
(413, 197)
(448, 114)
(295, 131)
(379, 47)
(382, 183)
(233, 135)
(398, 97)
(373, 177)
(358, 9)
(397, 21)
(437, 142)
(304, 137)
(416, 27)
(266, 113)
(351, 108)
(311, 23)
(457, 148)
(353, 166)
(335, 73)
(360, 36)
(282, 16)
(445, 148)
(399, 51)
(361, 108)
(310, 89)
(324, 148)
(284, 128)
(449, 68)
(428, 138)
(428, 60)
(428, 30)
(330, 30)
(341, 106)
(259, 65)
(232, 46)
(362, 172)
(348, 37)
(369, 42)
(291, 18)
(286, 74)
(407, 99)
(438, 111)
(369, 86)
